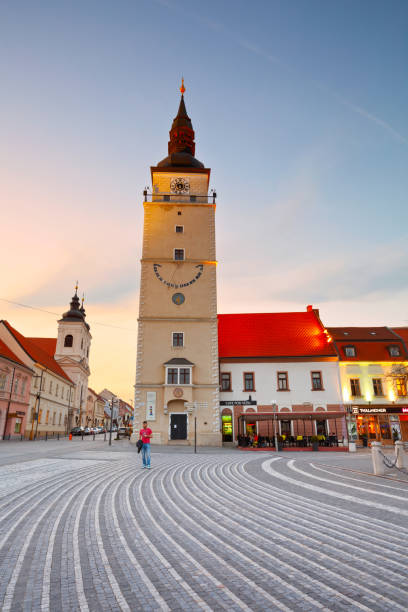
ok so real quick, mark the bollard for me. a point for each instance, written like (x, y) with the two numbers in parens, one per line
(378, 464)
(400, 454)
(58, 436)
(104, 437)
(70, 436)
(46, 435)
(94, 436)
(82, 434)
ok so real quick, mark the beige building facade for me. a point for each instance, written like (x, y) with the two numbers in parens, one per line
(177, 387)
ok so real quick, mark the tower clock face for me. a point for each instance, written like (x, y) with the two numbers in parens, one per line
(178, 275)
(180, 185)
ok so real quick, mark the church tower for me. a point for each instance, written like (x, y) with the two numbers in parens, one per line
(72, 354)
(177, 385)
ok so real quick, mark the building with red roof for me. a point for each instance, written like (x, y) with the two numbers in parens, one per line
(373, 365)
(59, 383)
(283, 363)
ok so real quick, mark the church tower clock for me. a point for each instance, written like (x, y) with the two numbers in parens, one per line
(177, 387)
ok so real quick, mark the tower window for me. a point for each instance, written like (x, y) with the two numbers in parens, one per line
(179, 254)
(179, 213)
(69, 340)
(178, 338)
(179, 229)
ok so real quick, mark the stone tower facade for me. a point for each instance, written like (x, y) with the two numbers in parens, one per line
(177, 386)
(72, 354)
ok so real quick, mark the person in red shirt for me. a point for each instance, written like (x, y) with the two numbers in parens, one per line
(144, 435)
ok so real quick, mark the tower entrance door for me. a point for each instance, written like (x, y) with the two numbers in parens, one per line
(178, 427)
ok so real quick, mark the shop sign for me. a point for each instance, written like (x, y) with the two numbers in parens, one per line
(238, 403)
(379, 409)
(151, 406)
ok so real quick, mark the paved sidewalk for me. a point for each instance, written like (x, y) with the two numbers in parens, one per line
(84, 527)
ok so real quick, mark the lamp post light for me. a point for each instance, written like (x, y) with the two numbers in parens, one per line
(37, 406)
(275, 408)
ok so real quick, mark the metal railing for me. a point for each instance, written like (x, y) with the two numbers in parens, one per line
(180, 198)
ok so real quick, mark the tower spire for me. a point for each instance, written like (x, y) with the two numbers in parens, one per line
(181, 145)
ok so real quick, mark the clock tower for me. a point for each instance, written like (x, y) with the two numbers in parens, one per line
(177, 386)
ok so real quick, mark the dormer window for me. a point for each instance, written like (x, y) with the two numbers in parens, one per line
(350, 351)
(69, 340)
(394, 351)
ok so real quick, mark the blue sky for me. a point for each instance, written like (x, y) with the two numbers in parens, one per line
(299, 108)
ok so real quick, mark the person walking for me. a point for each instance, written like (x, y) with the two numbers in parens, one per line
(144, 435)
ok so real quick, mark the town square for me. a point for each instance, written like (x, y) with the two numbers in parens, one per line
(203, 313)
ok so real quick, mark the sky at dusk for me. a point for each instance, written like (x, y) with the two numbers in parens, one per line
(299, 108)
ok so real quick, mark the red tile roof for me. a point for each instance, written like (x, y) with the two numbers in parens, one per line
(371, 343)
(287, 334)
(361, 333)
(8, 354)
(38, 349)
(402, 332)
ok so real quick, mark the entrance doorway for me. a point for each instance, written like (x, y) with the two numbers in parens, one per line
(178, 427)
(226, 427)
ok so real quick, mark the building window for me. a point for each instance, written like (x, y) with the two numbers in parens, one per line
(178, 376)
(184, 376)
(47, 416)
(17, 426)
(225, 381)
(39, 415)
(178, 338)
(56, 390)
(69, 340)
(179, 229)
(172, 376)
(249, 382)
(394, 351)
(50, 386)
(82, 343)
(401, 385)
(283, 382)
(317, 382)
(3, 380)
(87, 351)
(355, 387)
(166, 198)
(36, 382)
(23, 385)
(377, 387)
(53, 418)
(350, 351)
(59, 420)
(179, 254)
(43, 384)
(16, 386)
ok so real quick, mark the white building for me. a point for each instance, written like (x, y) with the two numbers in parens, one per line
(282, 363)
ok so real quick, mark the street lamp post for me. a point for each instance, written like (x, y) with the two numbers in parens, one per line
(37, 406)
(111, 418)
(275, 407)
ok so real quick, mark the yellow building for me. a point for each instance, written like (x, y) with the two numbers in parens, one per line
(177, 386)
(373, 364)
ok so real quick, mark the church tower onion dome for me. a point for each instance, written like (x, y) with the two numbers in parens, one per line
(76, 311)
(181, 146)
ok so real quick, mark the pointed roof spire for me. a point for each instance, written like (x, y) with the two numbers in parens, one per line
(181, 146)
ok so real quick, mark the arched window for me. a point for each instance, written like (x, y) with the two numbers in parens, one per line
(69, 340)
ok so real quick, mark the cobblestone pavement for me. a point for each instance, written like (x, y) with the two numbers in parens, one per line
(85, 528)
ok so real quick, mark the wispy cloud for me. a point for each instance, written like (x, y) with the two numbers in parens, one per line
(257, 50)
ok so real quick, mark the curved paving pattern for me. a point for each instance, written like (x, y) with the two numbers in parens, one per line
(206, 532)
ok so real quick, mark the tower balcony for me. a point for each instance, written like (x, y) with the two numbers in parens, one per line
(180, 198)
